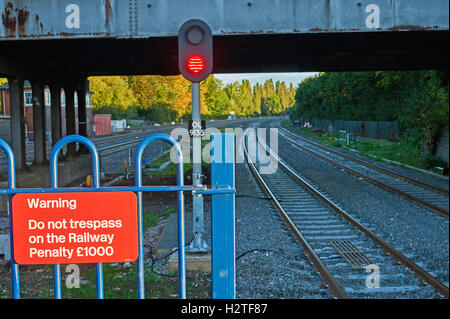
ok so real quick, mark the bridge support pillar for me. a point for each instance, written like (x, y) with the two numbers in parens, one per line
(69, 91)
(17, 122)
(55, 112)
(82, 118)
(40, 147)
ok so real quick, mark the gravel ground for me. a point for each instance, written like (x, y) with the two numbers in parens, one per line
(417, 232)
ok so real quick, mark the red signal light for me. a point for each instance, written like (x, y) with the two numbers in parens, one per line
(195, 64)
(195, 50)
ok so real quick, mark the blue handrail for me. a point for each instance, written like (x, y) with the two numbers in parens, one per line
(95, 184)
(217, 191)
(181, 234)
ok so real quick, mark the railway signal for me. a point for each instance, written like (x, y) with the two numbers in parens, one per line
(195, 61)
(195, 54)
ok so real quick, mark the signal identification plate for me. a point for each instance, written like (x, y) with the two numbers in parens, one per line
(196, 128)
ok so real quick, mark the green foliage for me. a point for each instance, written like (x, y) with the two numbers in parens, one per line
(160, 113)
(111, 91)
(404, 151)
(215, 97)
(151, 219)
(168, 98)
(271, 105)
(263, 99)
(131, 113)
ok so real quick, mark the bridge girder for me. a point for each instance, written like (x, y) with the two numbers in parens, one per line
(85, 37)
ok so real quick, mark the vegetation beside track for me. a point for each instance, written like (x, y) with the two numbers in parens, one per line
(374, 149)
(416, 100)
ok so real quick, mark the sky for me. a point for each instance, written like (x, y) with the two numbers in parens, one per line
(288, 78)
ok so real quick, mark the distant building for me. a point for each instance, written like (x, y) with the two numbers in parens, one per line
(102, 124)
(28, 108)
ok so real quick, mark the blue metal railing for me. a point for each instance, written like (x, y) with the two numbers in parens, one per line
(95, 184)
(224, 177)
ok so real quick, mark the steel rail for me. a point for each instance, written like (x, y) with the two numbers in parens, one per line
(153, 129)
(377, 182)
(419, 271)
(335, 287)
(166, 128)
(365, 163)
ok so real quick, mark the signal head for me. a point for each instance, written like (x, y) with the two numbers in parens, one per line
(195, 56)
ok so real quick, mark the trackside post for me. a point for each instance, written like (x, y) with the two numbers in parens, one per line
(223, 217)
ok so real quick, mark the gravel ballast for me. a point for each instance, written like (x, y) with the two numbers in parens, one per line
(420, 234)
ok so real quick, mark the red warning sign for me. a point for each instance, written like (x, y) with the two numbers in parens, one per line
(63, 228)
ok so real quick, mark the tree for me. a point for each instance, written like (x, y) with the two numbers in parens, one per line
(268, 89)
(257, 95)
(215, 98)
(417, 100)
(283, 95)
(172, 95)
(271, 106)
(245, 98)
(232, 92)
(111, 91)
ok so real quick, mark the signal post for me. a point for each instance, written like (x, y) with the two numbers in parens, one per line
(195, 59)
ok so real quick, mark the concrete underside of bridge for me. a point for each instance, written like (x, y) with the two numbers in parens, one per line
(351, 51)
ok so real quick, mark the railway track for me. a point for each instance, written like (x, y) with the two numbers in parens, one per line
(429, 196)
(110, 145)
(345, 253)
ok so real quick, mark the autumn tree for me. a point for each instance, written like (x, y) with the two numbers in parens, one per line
(168, 98)
(112, 91)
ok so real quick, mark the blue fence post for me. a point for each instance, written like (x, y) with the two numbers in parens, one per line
(95, 184)
(181, 232)
(223, 217)
(12, 185)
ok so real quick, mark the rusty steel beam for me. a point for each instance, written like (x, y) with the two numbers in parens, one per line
(78, 39)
